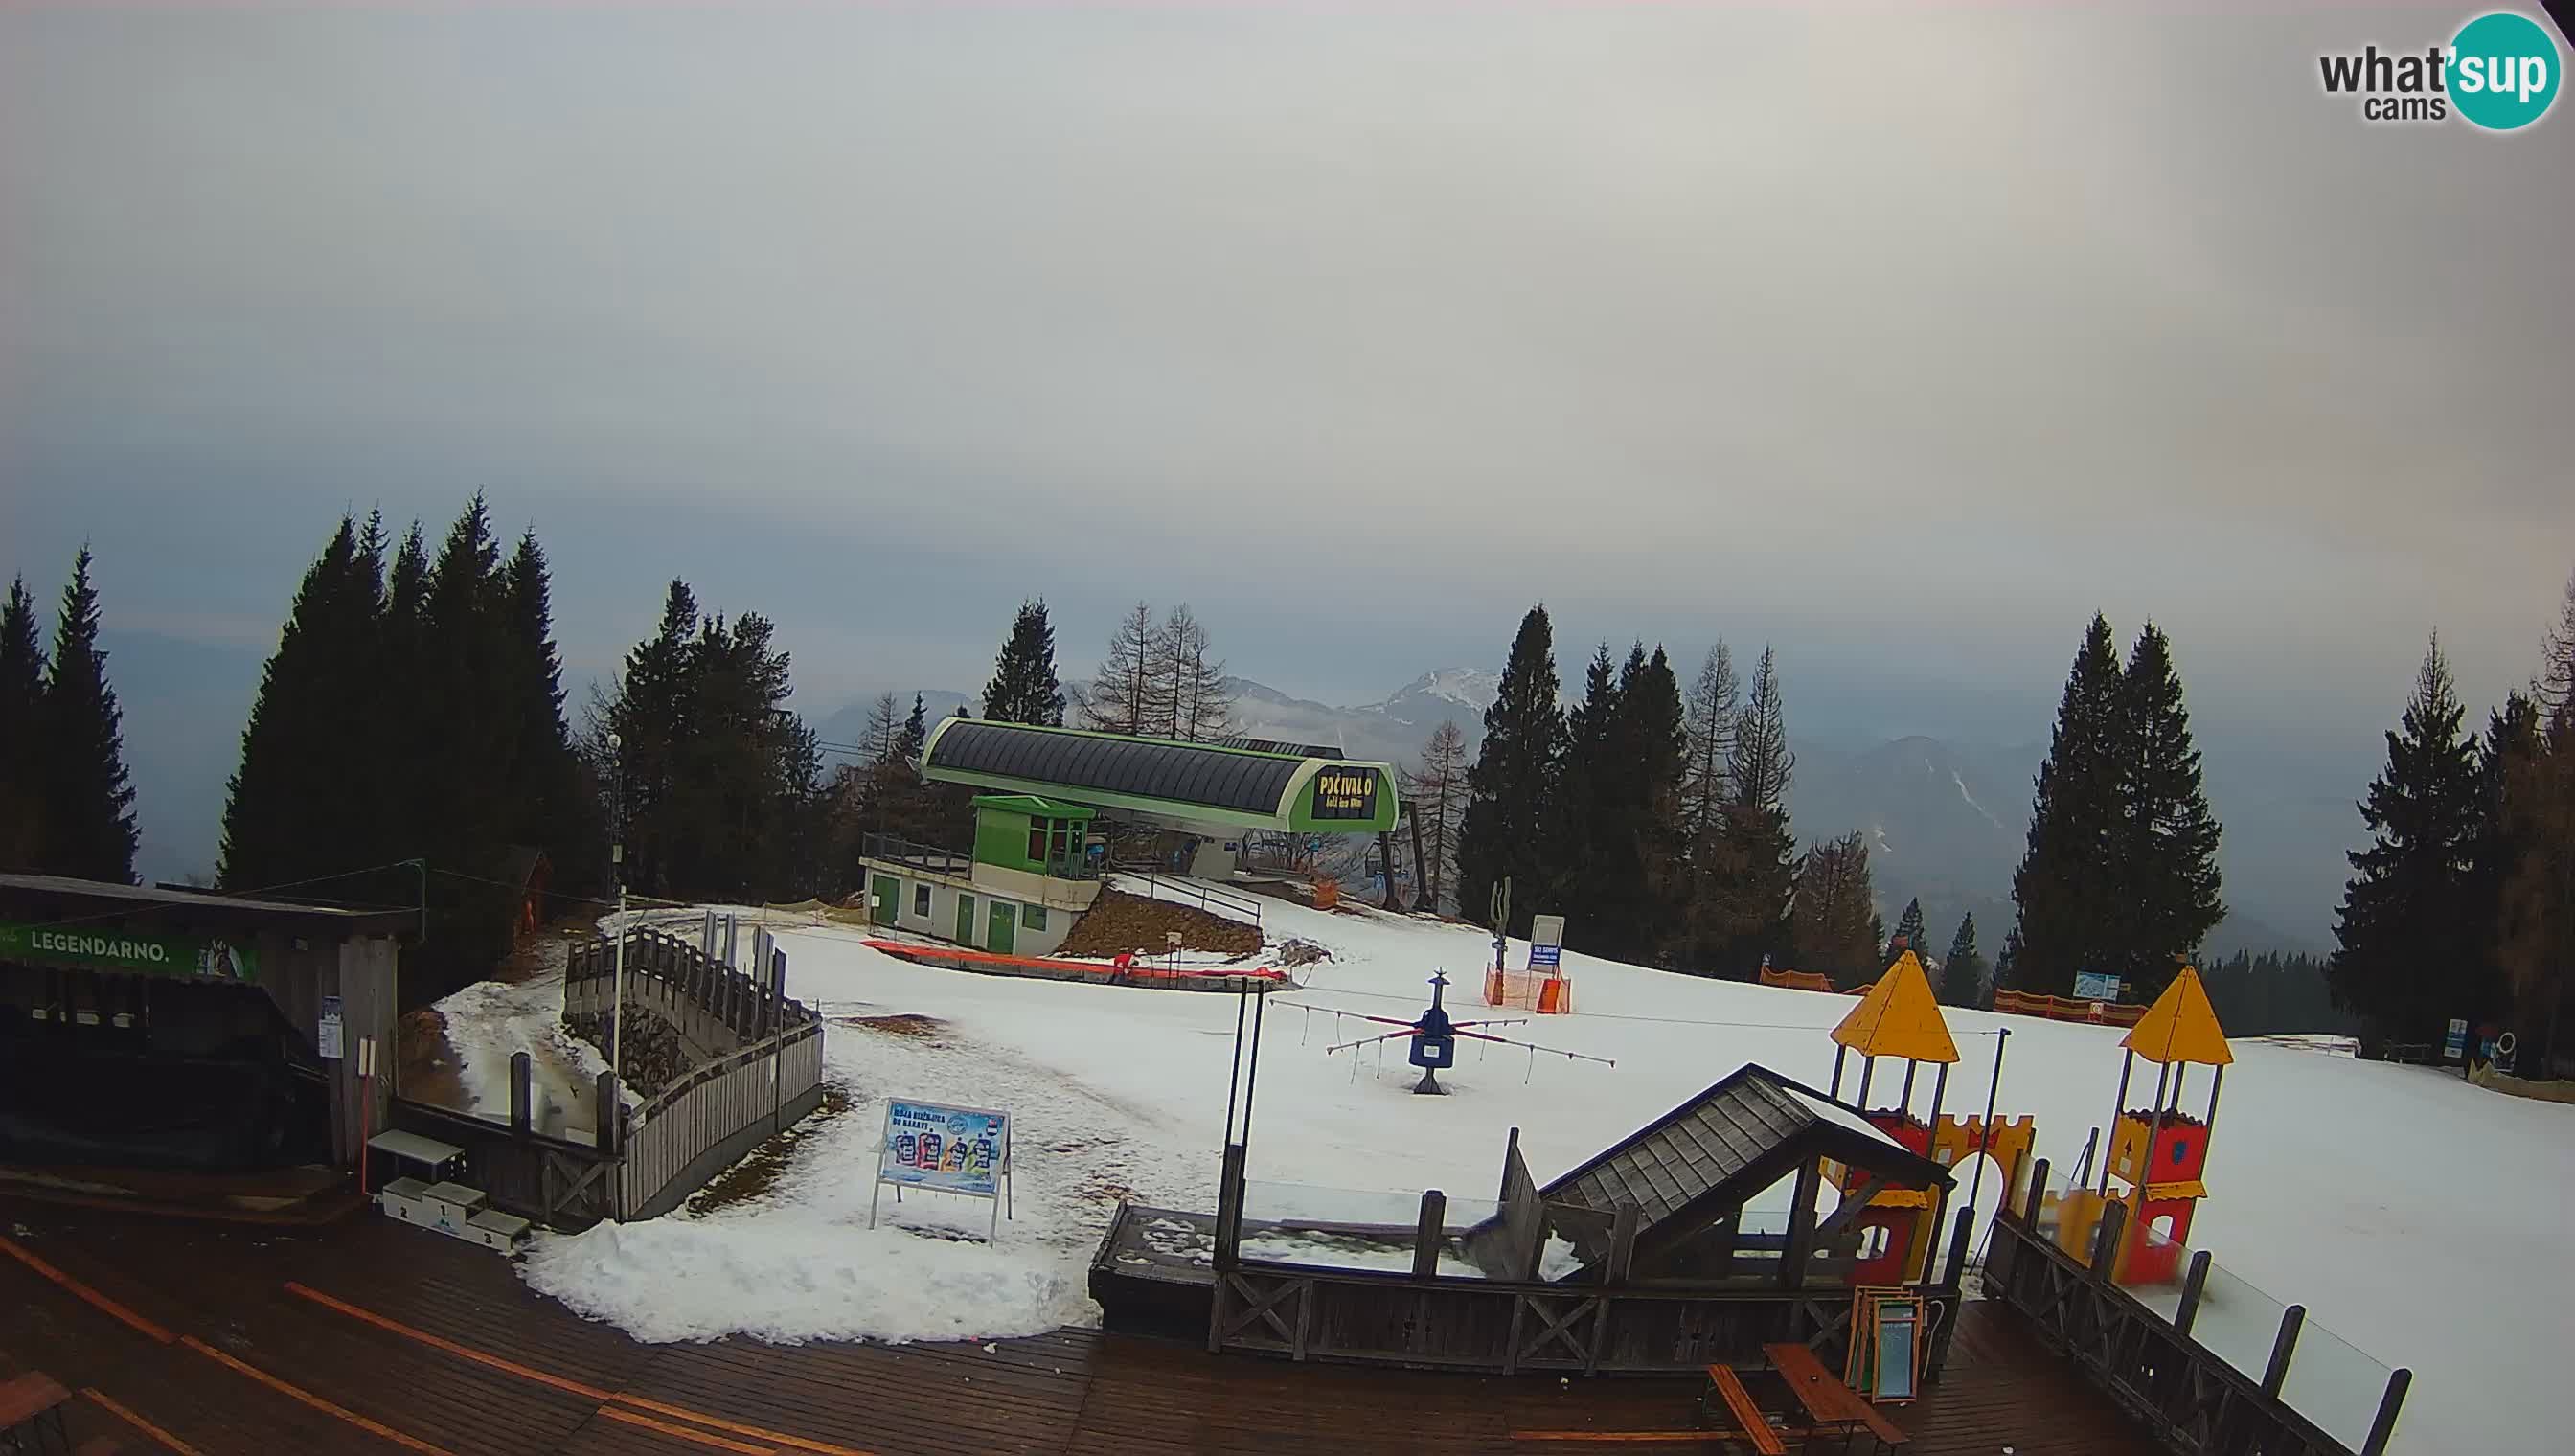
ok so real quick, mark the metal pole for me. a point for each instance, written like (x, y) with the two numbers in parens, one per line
(2398, 1381)
(617, 997)
(1992, 1090)
(2127, 1065)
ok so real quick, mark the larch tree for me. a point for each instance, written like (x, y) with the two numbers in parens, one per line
(1512, 784)
(1708, 715)
(1023, 686)
(1119, 698)
(87, 802)
(1193, 703)
(1744, 892)
(1832, 922)
(22, 701)
(1435, 791)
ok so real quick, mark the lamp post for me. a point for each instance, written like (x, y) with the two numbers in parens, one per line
(617, 866)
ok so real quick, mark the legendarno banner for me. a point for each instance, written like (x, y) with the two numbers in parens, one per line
(129, 953)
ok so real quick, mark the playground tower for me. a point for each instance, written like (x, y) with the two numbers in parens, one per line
(2158, 1153)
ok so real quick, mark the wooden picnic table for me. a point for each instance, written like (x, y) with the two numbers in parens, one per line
(1829, 1404)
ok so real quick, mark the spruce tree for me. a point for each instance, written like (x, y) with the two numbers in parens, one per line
(1588, 818)
(558, 807)
(1512, 784)
(2164, 848)
(1908, 930)
(2403, 922)
(301, 803)
(1962, 971)
(1656, 740)
(22, 698)
(1023, 686)
(87, 803)
(2537, 943)
(2065, 887)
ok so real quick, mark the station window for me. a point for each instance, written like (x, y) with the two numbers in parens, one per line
(1038, 842)
(921, 901)
(1033, 916)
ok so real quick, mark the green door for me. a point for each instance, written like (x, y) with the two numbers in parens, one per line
(966, 918)
(881, 910)
(1005, 928)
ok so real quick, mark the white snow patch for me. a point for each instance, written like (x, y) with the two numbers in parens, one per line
(800, 1276)
(1841, 1116)
(1120, 1091)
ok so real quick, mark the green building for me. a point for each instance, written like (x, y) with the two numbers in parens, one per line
(1037, 861)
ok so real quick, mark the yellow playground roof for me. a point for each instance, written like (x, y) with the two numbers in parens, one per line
(2181, 1026)
(1899, 1017)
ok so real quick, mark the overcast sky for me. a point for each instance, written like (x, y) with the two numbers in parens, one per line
(1904, 343)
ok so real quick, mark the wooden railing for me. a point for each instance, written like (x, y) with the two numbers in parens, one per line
(2192, 1398)
(667, 972)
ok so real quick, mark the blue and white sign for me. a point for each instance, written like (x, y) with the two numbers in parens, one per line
(2456, 1045)
(963, 1150)
(2094, 985)
(1546, 941)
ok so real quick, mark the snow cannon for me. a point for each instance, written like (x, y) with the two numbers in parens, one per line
(1432, 1039)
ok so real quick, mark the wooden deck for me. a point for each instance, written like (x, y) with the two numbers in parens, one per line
(369, 1337)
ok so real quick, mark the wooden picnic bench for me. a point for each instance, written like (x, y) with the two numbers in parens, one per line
(1830, 1405)
(31, 1413)
(1727, 1390)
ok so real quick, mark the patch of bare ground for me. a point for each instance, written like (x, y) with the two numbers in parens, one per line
(758, 1170)
(904, 1024)
(1119, 922)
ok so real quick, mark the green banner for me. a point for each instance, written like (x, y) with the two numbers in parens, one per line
(130, 953)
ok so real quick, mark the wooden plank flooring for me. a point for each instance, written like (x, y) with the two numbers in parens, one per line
(423, 1344)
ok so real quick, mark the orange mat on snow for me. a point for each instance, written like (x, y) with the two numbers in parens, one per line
(909, 951)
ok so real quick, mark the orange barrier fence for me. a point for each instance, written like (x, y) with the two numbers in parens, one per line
(2059, 1008)
(1806, 980)
(1530, 990)
(961, 956)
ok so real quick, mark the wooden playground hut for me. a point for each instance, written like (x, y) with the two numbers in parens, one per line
(1656, 1256)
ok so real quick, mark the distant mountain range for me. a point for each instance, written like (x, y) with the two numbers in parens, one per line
(1945, 822)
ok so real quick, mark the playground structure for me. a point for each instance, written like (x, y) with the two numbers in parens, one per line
(1899, 1018)
(2158, 1153)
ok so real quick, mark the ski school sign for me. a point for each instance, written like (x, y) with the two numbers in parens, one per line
(127, 952)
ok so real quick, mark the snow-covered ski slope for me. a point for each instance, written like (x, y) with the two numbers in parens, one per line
(2419, 1220)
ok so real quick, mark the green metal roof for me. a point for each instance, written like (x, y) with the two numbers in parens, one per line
(1163, 781)
(1034, 806)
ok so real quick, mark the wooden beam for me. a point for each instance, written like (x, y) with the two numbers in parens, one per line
(2284, 1346)
(1426, 1234)
(1802, 1226)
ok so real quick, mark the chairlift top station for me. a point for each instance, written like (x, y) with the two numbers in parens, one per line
(1196, 788)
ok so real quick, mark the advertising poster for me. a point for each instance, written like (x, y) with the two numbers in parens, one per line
(949, 1149)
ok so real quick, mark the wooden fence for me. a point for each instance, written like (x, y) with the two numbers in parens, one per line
(761, 1070)
(700, 1124)
(2193, 1399)
(2060, 1008)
